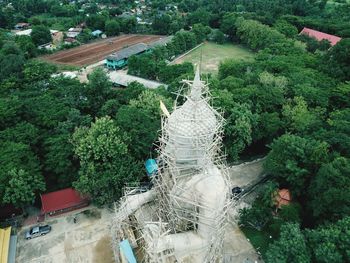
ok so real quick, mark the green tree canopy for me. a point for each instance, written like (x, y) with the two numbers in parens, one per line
(330, 198)
(143, 129)
(337, 60)
(22, 187)
(112, 28)
(18, 165)
(330, 243)
(105, 162)
(97, 90)
(41, 35)
(294, 160)
(290, 247)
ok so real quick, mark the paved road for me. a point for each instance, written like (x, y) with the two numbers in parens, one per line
(122, 78)
(236, 246)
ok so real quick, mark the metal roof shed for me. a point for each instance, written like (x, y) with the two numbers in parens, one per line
(62, 201)
(128, 52)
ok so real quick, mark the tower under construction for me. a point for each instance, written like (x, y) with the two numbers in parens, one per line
(182, 217)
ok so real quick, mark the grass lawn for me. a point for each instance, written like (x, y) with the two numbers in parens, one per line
(259, 239)
(62, 67)
(213, 54)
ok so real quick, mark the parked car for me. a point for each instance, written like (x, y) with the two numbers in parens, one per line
(236, 192)
(37, 231)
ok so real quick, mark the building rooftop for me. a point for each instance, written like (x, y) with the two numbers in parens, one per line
(128, 52)
(60, 200)
(320, 35)
(283, 197)
(161, 42)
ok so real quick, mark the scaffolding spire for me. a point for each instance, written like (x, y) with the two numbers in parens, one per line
(197, 85)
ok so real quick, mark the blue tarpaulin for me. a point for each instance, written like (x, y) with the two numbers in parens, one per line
(151, 167)
(126, 249)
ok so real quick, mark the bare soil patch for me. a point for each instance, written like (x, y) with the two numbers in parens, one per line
(103, 251)
(91, 53)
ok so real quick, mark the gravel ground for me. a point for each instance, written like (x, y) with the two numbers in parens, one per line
(86, 241)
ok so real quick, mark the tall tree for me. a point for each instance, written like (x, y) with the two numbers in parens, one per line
(105, 162)
(143, 130)
(18, 166)
(112, 28)
(337, 60)
(330, 198)
(97, 90)
(41, 35)
(330, 243)
(294, 160)
(22, 187)
(290, 248)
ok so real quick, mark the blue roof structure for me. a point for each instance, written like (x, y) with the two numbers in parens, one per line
(126, 249)
(96, 32)
(151, 167)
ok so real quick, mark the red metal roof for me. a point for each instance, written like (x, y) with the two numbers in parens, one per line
(283, 197)
(60, 200)
(320, 35)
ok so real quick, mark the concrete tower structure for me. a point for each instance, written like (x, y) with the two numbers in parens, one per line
(182, 218)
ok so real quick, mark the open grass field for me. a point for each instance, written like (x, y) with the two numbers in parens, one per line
(213, 54)
(94, 52)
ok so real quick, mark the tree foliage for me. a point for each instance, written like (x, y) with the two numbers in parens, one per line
(22, 187)
(290, 247)
(293, 160)
(104, 159)
(41, 35)
(328, 190)
(331, 242)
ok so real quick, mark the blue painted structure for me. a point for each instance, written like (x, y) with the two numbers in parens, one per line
(116, 64)
(119, 59)
(126, 249)
(96, 33)
(151, 167)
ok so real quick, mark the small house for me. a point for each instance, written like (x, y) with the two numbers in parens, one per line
(47, 46)
(57, 37)
(26, 32)
(62, 201)
(96, 33)
(119, 59)
(319, 36)
(69, 41)
(22, 26)
(283, 197)
(73, 32)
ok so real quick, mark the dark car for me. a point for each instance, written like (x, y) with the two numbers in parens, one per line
(236, 192)
(37, 231)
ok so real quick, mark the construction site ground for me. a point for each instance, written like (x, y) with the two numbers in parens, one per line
(91, 53)
(88, 240)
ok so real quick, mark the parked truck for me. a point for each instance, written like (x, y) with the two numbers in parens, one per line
(37, 231)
